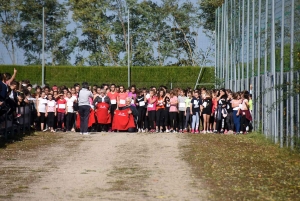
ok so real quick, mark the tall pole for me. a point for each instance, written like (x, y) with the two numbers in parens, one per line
(281, 71)
(128, 43)
(43, 47)
(292, 72)
(273, 70)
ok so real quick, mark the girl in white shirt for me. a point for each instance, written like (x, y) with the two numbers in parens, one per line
(41, 109)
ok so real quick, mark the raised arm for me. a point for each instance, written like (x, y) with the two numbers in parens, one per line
(13, 76)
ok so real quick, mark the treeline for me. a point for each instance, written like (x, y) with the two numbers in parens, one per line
(164, 33)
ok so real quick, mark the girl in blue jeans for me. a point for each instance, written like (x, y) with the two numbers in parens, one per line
(195, 112)
(235, 103)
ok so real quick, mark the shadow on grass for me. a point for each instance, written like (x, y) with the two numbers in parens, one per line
(14, 138)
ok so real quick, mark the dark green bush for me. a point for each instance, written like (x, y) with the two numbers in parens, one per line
(140, 76)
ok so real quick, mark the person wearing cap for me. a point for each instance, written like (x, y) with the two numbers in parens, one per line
(84, 107)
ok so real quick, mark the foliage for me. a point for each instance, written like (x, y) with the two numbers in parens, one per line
(9, 26)
(141, 76)
(246, 167)
(160, 33)
(208, 10)
(59, 43)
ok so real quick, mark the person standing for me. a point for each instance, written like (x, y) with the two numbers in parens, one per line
(113, 96)
(84, 107)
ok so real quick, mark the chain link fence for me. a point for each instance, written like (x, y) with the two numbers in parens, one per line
(258, 44)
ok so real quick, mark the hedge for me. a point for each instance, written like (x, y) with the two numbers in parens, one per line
(140, 76)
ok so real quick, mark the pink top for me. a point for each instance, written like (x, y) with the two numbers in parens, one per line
(122, 99)
(91, 100)
(173, 108)
(51, 106)
(152, 106)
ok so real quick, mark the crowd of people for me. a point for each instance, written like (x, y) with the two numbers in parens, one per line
(111, 108)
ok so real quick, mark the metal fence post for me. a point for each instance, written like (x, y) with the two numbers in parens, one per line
(258, 92)
(281, 72)
(291, 72)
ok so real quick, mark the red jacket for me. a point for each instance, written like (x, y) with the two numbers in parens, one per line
(103, 117)
(122, 120)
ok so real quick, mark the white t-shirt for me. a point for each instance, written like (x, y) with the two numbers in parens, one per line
(70, 104)
(42, 105)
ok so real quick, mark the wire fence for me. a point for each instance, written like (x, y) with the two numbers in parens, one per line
(258, 44)
(8, 126)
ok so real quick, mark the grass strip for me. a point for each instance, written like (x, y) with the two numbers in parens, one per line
(244, 167)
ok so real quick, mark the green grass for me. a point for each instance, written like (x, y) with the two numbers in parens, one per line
(245, 167)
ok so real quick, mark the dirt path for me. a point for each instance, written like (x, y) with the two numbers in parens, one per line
(107, 166)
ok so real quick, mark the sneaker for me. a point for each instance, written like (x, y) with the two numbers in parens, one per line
(222, 131)
(139, 130)
(80, 133)
(215, 131)
(203, 132)
(161, 131)
(45, 130)
(156, 131)
(167, 131)
(247, 128)
(85, 133)
(241, 132)
(185, 130)
(143, 131)
(180, 131)
(72, 130)
(196, 131)
(109, 130)
(192, 131)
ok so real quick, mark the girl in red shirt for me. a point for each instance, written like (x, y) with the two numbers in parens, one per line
(61, 111)
(113, 97)
(122, 97)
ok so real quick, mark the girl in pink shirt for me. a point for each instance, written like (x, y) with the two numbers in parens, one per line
(132, 94)
(173, 111)
(151, 109)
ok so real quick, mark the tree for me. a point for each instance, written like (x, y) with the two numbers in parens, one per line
(208, 11)
(59, 43)
(9, 25)
(98, 38)
(160, 33)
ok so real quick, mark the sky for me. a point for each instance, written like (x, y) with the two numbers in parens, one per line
(203, 43)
